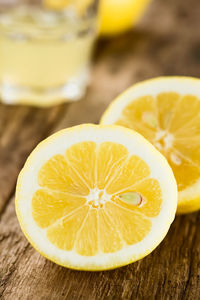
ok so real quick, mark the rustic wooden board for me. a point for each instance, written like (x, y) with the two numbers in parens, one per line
(166, 42)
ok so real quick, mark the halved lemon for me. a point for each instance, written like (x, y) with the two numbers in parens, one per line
(166, 111)
(95, 197)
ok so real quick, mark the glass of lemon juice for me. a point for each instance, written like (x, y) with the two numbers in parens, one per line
(45, 50)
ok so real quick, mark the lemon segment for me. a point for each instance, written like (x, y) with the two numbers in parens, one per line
(106, 230)
(49, 206)
(126, 223)
(107, 167)
(63, 233)
(57, 174)
(147, 189)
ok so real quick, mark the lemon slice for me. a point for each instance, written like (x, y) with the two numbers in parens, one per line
(166, 111)
(95, 197)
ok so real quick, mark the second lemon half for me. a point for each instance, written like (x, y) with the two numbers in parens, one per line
(166, 111)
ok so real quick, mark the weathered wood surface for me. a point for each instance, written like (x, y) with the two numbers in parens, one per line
(166, 42)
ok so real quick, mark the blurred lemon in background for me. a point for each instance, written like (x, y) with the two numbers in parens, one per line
(116, 16)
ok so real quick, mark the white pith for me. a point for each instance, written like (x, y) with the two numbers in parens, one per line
(57, 144)
(97, 198)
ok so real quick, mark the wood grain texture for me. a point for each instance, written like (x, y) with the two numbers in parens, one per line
(166, 42)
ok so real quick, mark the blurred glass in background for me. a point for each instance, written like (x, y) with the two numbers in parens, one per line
(45, 50)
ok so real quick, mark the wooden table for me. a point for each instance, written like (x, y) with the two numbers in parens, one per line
(166, 42)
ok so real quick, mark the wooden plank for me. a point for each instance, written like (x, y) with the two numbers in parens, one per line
(166, 42)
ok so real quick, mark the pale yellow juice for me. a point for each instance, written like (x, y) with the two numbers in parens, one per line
(44, 59)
